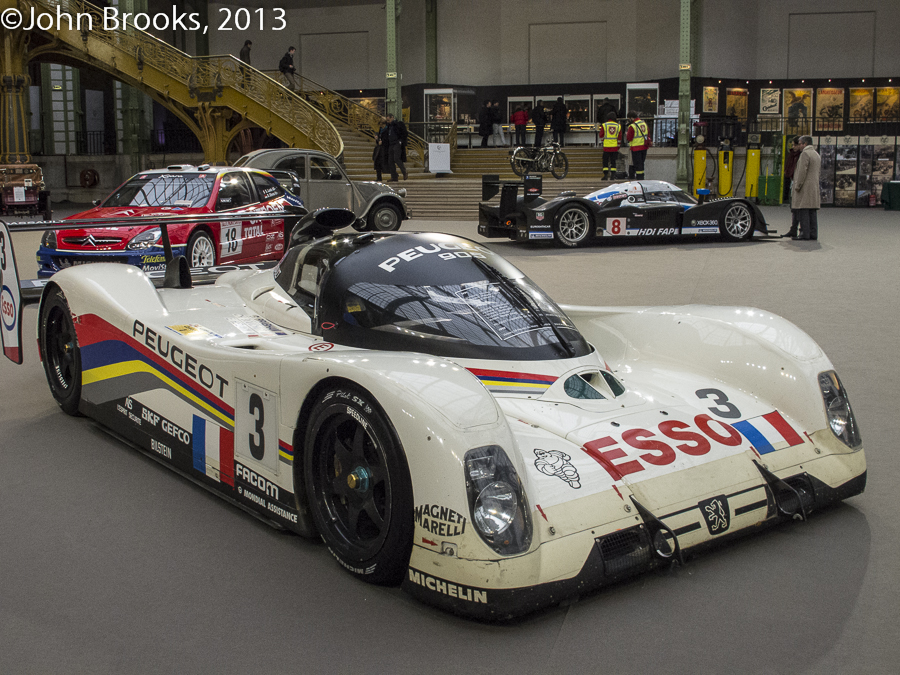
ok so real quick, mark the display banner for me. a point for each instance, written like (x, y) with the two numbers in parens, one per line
(710, 99)
(846, 160)
(798, 107)
(883, 149)
(736, 103)
(769, 101)
(887, 104)
(826, 172)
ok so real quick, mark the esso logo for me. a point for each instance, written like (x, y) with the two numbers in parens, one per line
(7, 308)
(321, 347)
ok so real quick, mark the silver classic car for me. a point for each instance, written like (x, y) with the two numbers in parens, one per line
(322, 182)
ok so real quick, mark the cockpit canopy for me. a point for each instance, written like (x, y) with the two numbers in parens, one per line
(425, 292)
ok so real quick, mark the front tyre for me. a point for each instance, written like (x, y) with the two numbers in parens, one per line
(737, 222)
(60, 352)
(384, 218)
(559, 166)
(358, 485)
(200, 251)
(573, 226)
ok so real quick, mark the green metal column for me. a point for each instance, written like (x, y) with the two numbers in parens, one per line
(431, 42)
(14, 83)
(685, 65)
(393, 105)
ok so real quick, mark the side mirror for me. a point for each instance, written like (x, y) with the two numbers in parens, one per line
(96, 202)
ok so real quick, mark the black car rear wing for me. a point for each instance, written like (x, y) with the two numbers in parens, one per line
(532, 185)
(14, 293)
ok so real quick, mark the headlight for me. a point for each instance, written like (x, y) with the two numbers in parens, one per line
(497, 501)
(145, 239)
(48, 239)
(837, 408)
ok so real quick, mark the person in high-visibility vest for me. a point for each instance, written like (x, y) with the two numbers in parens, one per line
(611, 133)
(638, 139)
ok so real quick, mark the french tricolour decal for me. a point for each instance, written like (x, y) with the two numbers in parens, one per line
(213, 450)
(768, 433)
(513, 383)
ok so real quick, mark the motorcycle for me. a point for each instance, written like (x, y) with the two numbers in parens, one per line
(541, 160)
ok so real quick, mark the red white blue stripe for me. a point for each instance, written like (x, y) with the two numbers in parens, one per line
(213, 450)
(768, 433)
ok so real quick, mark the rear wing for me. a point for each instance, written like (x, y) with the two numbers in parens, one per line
(15, 292)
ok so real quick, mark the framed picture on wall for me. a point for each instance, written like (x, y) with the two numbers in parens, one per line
(736, 102)
(829, 110)
(798, 108)
(862, 104)
(887, 103)
(710, 99)
(769, 101)
(642, 99)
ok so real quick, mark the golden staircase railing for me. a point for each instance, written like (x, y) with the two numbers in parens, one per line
(210, 81)
(362, 119)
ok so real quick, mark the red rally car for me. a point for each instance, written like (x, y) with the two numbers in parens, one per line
(179, 190)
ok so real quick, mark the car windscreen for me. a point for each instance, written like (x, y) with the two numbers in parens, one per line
(476, 306)
(185, 190)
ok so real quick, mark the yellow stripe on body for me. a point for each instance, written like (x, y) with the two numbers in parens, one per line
(124, 368)
(495, 383)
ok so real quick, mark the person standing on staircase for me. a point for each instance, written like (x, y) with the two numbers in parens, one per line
(638, 140)
(610, 132)
(380, 154)
(286, 67)
(245, 57)
(485, 125)
(397, 135)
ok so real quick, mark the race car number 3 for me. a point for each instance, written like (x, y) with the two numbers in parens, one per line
(256, 425)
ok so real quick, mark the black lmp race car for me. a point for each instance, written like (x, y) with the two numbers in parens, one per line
(640, 208)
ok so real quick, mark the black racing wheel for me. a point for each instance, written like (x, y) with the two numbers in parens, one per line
(358, 486)
(737, 222)
(573, 226)
(59, 352)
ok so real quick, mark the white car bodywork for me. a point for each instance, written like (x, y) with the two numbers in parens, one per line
(719, 404)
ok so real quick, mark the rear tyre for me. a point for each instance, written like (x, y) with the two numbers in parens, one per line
(737, 222)
(559, 166)
(519, 161)
(60, 353)
(573, 226)
(200, 251)
(358, 485)
(384, 218)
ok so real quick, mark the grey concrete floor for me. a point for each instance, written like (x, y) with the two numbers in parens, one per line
(111, 563)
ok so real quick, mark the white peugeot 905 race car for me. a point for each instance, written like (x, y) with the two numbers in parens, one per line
(426, 409)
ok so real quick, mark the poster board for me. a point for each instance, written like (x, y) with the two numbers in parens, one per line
(769, 101)
(736, 102)
(830, 109)
(798, 108)
(862, 104)
(710, 99)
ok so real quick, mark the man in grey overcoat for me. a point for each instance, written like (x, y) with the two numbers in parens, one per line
(805, 197)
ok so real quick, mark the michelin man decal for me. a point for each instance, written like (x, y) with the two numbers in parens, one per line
(556, 463)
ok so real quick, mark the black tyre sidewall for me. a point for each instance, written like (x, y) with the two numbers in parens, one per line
(389, 563)
(517, 168)
(565, 243)
(67, 398)
(565, 162)
(373, 217)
